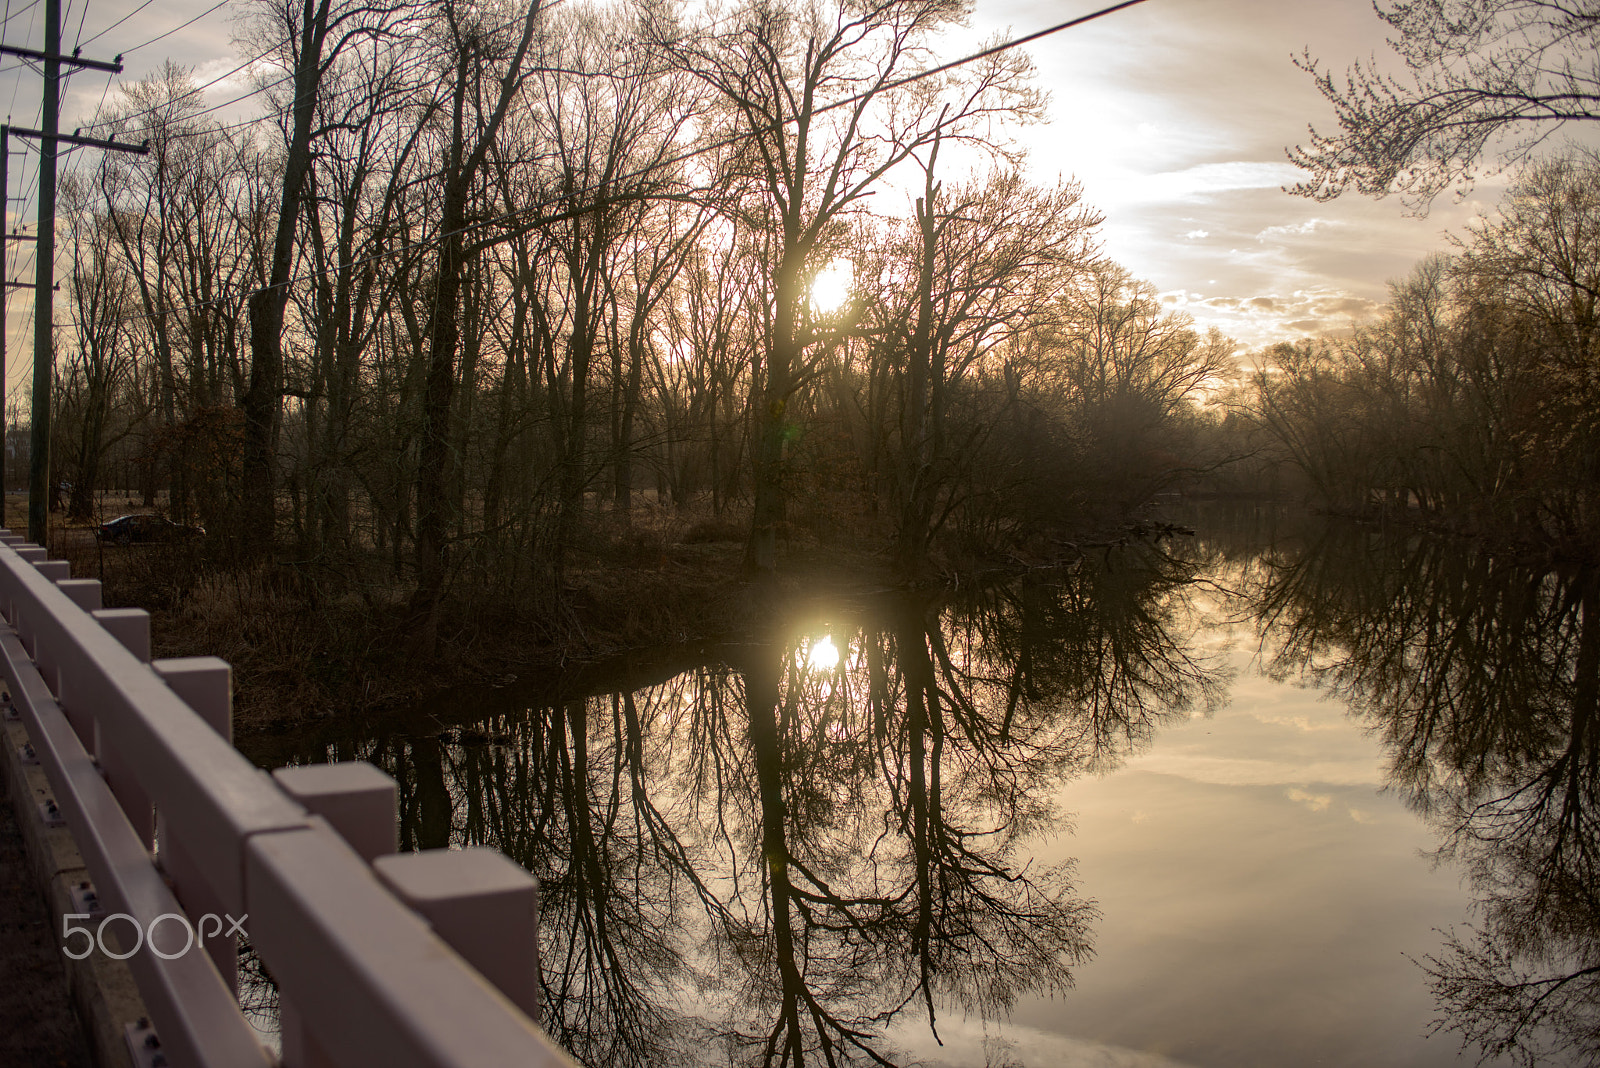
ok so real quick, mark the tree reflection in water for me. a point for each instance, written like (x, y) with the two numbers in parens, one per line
(763, 861)
(1482, 675)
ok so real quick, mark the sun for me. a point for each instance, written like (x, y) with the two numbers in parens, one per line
(823, 656)
(832, 288)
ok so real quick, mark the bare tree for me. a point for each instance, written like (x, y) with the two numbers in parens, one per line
(475, 120)
(1485, 74)
(98, 364)
(317, 32)
(817, 99)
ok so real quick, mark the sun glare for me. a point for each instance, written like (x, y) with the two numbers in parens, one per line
(823, 655)
(831, 288)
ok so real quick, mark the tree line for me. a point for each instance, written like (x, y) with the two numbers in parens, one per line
(483, 277)
(1472, 401)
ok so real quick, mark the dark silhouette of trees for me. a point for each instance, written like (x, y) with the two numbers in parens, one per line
(317, 33)
(486, 303)
(778, 857)
(1472, 400)
(1481, 674)
(476, 112)
(813, 96)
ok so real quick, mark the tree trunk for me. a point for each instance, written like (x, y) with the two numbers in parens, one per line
(263, 400)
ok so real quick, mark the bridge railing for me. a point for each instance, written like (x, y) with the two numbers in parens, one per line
(180, 833)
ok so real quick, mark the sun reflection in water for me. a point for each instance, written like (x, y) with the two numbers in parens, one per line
(823, 656)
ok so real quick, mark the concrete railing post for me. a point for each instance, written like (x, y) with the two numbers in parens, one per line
(483, 905)
(362, 804)
(205, 684)
(85, 593)
(48, 656)
(357, 799)
(19, 618)
(131, 628)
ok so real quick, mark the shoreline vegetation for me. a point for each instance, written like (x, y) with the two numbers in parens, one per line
(300, 655)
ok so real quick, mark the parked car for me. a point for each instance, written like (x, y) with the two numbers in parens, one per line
(144, 527)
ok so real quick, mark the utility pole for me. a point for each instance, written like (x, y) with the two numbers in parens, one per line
(44, 327)
(44, 349)
(5, 288)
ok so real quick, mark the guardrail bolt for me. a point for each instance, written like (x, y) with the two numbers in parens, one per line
(50, 813)
(85, 899)
(144, 1046)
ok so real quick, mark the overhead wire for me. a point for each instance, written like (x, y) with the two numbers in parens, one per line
(196, 90)
(521, 213)
(16, 83)
(14, 14)
(175, 29)
(189, 93)
(77, 38)
(732, 139)
(114, 25)
(266, 116)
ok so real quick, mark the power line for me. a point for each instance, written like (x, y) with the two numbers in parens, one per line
(832, 106)
(77, 38)
(169, 33)
(21, 11)
(254, 92)
(222, 77)
(192, 92)
(119, 22)
(681, 157)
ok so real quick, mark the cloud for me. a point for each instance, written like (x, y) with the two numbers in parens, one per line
(1205, 179)
(1265, 318)
(1356, 307)
(1195, 235)
(967, 1042)
(1310, 226)
(1315, 802)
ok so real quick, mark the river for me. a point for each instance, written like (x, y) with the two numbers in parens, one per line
(1289, 792)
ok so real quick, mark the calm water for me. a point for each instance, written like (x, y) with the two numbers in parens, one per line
(1218, 803)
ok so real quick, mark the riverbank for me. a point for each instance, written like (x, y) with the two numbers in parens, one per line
(300, 657)
(307, 646)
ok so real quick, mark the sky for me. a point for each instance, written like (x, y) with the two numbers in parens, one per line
(1174, 115)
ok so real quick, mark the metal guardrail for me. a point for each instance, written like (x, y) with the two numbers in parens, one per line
(370, 952)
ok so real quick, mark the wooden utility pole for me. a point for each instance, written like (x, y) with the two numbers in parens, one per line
(44, 340)
(5, 289)
(44, 349)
